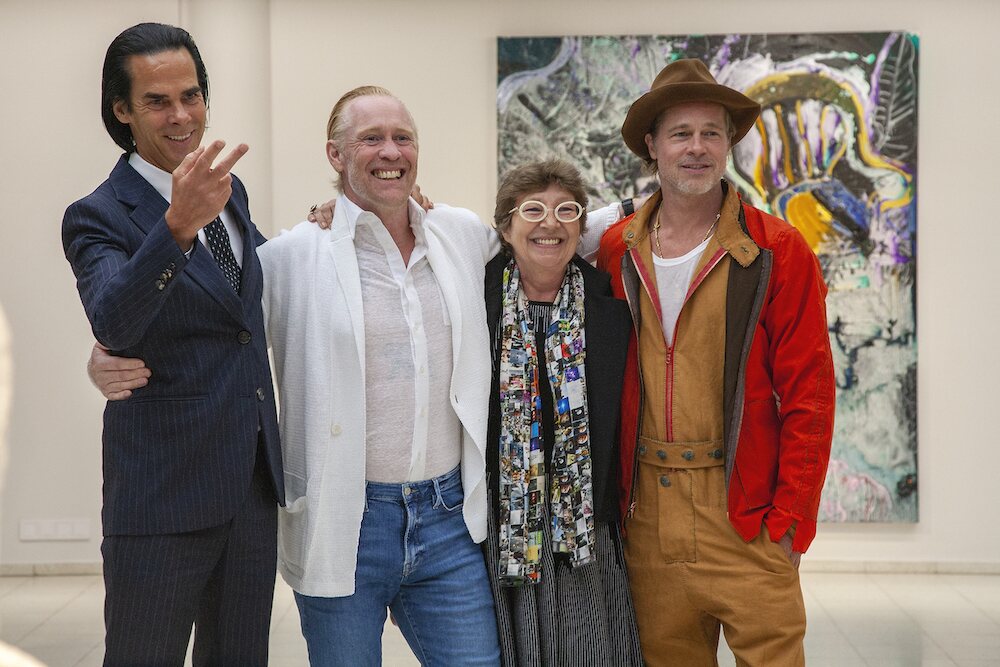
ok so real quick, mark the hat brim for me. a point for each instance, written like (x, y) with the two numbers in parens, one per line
(645, 110)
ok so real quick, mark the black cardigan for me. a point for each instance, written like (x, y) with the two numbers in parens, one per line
(607, 328)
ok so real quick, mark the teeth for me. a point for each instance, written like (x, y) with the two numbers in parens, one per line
(388, 175)
(182, 137)
(547, 241)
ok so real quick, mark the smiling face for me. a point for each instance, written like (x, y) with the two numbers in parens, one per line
(377, 155)
(546, 247)
(166, 110)
(690, 146)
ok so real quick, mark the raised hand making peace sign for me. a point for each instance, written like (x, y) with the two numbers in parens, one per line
(200, 190)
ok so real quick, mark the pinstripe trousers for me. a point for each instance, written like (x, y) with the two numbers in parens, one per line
(219, 579)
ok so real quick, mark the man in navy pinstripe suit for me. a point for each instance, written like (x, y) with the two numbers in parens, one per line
(192, 463)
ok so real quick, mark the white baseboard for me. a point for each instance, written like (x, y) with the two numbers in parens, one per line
(808, 565)
(897, 567)
(48, 569)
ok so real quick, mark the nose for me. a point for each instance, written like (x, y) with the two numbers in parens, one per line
(550, 219)
(179, 114)
(389, 150)
(696, 145)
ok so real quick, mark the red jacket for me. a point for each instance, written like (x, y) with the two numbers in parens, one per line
(778, 401)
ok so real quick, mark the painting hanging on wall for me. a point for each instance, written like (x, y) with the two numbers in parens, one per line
(834, 153)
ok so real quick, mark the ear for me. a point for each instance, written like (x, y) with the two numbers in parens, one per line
(650, 146)
(334, 156)
(121, 111)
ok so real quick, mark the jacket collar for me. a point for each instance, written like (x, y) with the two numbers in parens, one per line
(731, 232)
(347, 215)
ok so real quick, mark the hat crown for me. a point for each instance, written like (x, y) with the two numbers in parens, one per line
(688, 70)
(682, 81)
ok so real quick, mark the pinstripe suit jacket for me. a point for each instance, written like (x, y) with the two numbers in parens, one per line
(179, 454)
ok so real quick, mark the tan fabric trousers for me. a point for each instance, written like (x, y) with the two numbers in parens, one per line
(691, 573)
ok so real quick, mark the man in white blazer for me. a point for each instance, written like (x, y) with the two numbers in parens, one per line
(382, 362)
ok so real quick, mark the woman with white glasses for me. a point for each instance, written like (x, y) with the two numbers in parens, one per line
(559, 340)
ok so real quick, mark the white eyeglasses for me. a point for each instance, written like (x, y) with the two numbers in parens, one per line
(536, 211)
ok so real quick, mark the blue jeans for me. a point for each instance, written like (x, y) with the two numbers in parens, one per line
(415, 556)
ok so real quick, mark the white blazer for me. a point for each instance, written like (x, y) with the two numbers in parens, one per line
(315, 325)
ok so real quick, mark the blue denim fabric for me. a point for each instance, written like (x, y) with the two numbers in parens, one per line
(415, 557)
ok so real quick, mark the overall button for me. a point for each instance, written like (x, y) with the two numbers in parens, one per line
(260, 394)
(664, 480)
(243, 337)
(661, 454)
(716, 453)
(642, 449)
(688, 455)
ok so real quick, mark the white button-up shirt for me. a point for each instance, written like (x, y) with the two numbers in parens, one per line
(412, 432)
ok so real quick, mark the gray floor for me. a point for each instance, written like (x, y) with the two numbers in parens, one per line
(854, 620)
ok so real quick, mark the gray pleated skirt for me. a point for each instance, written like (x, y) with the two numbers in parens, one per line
(574, 616)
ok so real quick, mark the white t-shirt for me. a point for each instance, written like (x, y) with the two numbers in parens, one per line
(673, 278)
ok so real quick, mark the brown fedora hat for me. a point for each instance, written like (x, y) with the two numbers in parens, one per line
(682, 81)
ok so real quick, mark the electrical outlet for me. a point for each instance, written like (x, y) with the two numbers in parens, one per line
(54, 530)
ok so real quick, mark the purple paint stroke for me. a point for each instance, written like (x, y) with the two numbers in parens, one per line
(880, 59)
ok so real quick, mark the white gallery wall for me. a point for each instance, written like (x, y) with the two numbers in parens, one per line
(276, 67)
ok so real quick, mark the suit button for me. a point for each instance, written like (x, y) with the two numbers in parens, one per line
(335, 429)
(688, 455)
(243, 337)
(160, 285)
(661, 454)
(664, 480)
(260, 394)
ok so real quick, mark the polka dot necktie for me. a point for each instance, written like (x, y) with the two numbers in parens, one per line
(222, 250)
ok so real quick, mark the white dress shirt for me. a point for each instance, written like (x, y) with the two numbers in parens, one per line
(412, 430)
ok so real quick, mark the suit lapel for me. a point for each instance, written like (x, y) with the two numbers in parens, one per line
(448, 283)
(251, 278)
(345, 263)
(148, 208)
(606, 324)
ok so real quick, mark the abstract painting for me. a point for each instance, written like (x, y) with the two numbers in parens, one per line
(834, 153)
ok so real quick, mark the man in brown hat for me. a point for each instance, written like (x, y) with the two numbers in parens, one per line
(727, 409)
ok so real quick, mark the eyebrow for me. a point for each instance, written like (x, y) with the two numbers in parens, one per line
(709, 125)
(161, 96)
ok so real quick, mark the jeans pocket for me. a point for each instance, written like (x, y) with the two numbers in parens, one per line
(449, 497)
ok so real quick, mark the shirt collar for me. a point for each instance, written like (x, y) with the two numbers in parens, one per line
(162, 181)
(729, 233)
(355, 214)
